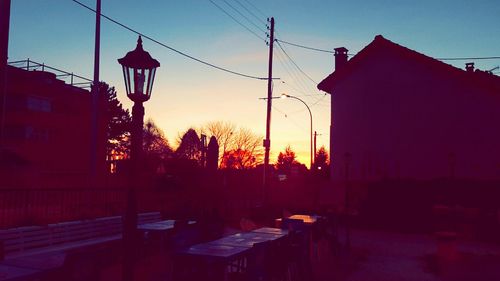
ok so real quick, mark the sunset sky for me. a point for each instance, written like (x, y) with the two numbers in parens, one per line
(60, 33)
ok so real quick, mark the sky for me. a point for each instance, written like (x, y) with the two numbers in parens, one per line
(60, 33)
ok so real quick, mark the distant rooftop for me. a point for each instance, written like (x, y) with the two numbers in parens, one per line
(68, 77)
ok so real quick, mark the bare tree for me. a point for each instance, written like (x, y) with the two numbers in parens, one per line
(223, 131)
(240, 148)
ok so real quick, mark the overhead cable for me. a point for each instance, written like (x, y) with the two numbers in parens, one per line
(245, 17)
(237, 21)
(298, 67)
(257, 9)
(171, 48)
(472, 58)
(250, 12)
(305, 47)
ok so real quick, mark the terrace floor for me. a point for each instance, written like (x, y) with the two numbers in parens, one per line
(377, 255)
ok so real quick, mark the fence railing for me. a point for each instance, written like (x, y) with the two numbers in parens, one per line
(19, 207)
(68, 77)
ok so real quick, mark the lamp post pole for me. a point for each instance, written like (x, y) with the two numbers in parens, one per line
(139, 70)
(311, 132)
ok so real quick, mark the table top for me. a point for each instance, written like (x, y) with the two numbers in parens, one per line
(271, 230)
(307, 219)
(12, 273)
(248, 239)
(157, 226)
(215, 250)
(48, 261)
(160, 225)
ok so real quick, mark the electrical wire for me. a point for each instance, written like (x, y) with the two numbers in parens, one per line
(292, 73)
(305, 47)
(298, 79)
(237, 21)
(315, 102)
(250, 12)
(476, 58)
(245, 17)
(171, 48)
(257, 9)
(289, 119)
(298, 67)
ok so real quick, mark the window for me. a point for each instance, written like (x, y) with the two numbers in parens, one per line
(38, 104)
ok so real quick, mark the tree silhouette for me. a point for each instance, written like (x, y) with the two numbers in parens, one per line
(155, 144)
(212, 154)
(118, 122)
(286, 160)
(321, 159)
(223, 131)
(239, 159)
(240, 148)
(321, 164)
(190, 146)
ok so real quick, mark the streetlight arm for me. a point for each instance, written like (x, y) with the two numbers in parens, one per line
(311, 118)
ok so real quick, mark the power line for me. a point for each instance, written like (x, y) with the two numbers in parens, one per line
(257, 9)
(298, 78)
(332, 52)
(245, 17)
(250, 12)
(237, 21)
(281, 47)
(305, 47)
(476, 58)
(289, 119)
(170, 48)
(293, 74)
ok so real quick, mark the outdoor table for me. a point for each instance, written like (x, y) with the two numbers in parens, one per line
(307, 219)
(16, 273)
(160, 226)
(271, 230)
(216, 251)
(247, 239)
(213, 256)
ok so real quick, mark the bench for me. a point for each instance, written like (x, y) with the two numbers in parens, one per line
(64, 236)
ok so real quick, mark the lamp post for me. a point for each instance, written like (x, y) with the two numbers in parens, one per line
(139, 70)
(310, 115)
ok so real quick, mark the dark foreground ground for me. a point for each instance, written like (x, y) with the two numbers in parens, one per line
(374, 255)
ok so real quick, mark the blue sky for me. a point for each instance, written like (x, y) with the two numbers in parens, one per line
(60, 33)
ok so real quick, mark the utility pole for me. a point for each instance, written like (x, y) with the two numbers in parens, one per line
(267, 141)
(4, 47)
(315, 135)
(95, 98)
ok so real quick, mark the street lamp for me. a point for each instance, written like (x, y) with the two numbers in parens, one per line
(283, 96)
(139, 70)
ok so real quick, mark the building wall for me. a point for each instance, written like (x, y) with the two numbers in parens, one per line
(47, 124)
(398, 118)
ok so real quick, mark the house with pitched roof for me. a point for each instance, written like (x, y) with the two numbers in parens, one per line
(399, 114)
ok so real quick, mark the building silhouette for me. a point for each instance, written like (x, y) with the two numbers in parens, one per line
(47, 126)
(403, 115)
